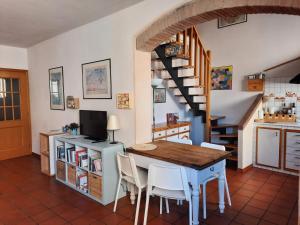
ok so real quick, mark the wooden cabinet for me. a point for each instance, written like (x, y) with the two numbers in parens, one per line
(268, 147)
(291, 156)
(165, 131)
(47, 152)
(256, 85)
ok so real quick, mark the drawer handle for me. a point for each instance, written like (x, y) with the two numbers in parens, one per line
(297, 142)
(296, 157)
(297, 150)
(297, 165)
(212, 169)
(297, 135)
(159, 134)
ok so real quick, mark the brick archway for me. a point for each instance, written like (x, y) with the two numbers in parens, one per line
(199, 11)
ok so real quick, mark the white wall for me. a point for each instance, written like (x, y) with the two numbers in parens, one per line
(262, 42)
(13, 58)
(111, 37)
(171, 105)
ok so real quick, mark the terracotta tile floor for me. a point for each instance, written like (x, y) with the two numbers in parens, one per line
(28, 197)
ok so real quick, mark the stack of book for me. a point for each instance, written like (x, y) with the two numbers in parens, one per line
(82, 180)
(95, 163)
(82, 158)
(71, 154)
(60, 151)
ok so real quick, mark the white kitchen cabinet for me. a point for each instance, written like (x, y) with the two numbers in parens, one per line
(268, 147)
(291, 150)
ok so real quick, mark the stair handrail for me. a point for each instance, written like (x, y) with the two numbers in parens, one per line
(246, 118)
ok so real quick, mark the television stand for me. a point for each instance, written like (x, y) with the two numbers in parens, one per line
(76, 167)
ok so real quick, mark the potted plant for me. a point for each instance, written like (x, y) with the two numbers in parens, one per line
(74, 128)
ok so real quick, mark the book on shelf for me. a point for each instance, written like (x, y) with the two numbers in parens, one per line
(71, 154)
(82, 180)
(82, 158)
(95, 163)
(60, 152)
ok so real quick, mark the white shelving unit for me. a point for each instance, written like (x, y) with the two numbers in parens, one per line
(101, 178)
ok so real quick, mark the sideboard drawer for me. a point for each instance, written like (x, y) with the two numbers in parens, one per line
(184, 135)
(172, 131)
(184, 129)
(159, 134)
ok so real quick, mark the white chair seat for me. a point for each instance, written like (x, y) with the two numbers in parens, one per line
(170, 194)
(143, 176)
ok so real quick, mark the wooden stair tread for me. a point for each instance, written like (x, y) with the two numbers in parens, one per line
(233, 146)
(225, 135)
(217, 117)
(219, 126)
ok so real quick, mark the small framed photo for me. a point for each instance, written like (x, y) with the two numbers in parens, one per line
(231, 20)
(56, 87)
(159, 95)
(124, 101)
(96, 80)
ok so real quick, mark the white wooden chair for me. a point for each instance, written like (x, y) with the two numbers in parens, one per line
(168, 182)
(222, 148)
(133, 175)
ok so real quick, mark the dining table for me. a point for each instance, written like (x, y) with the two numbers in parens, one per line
(200, 164)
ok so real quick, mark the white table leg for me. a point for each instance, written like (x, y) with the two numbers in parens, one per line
(195, 196)
(132, 193)
(221, 182)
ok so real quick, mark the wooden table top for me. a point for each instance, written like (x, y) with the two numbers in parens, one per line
(186, 155)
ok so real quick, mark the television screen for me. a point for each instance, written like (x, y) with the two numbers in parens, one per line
(93, 124)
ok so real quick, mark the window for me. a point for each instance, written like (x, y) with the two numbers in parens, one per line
(10, 99)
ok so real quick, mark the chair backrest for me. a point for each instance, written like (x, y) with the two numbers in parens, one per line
(214, 146)
(127, 167)
(180, 140)
(168, 178)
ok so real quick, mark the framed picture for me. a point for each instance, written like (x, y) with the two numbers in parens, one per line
(159, 95)
(96, 80)
(124, 101)
(56, 86)
(221, 78)
(231, 20)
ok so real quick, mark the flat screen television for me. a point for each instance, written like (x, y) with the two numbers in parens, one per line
(93, 124)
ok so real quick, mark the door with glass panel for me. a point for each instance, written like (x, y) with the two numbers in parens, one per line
(15, 131)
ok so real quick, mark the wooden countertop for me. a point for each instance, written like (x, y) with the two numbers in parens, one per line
(186, 155)
(165, 126)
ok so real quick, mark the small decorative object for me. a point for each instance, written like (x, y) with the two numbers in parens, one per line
(159, 95)
(144, 147)
(231, 20)
(96, 80)
(113, 124)
(72, 103)
(124, 101)
(172, 118)
(56, 85)
(174, 49)
(290, 94)
(221, 78)
(74, 128)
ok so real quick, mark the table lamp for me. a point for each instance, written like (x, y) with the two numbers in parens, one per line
(113, 124)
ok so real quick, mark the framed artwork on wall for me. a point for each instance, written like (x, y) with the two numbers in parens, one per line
(231, 20)
(124, 101)
(56, 86)
(96, 79)
(221, 78)
(159, 95)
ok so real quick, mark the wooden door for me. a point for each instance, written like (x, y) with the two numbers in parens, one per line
(268, 147)
(15, 129)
